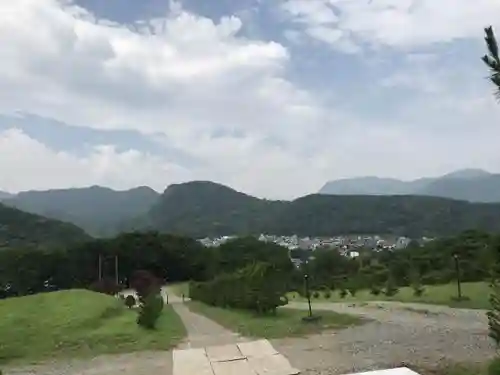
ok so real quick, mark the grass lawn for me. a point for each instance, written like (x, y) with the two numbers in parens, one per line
(77, 323)
(287, 322)
(478, 292)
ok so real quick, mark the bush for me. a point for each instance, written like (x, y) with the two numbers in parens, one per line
(375, 290)
(327, 294)
(493, 367)
(418, 290)
(258, 287)
(494, 314)
(150, 310)
(145, 284)
(390, 287)
(106, 286)
(343, 293)
(315, 295)
(130, 301)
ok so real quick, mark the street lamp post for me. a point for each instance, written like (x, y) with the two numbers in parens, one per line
(306, 282)
(457, 270)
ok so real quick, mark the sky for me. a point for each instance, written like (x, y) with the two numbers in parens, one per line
(272, 98)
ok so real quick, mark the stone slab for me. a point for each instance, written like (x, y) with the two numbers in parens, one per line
(275, 364)
(259, 348)
(392, 371)
(224, 353)
(237, 367)
(191, 362)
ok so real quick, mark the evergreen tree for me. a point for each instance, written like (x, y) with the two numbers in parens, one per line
(492, 59)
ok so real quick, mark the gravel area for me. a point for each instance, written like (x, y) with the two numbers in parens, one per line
(426, 337)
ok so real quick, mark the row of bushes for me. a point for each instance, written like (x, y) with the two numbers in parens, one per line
(259, 287)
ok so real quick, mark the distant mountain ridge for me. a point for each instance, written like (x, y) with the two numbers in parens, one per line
(473, 185)
(203, 208)
(4, 195)
(100, 211)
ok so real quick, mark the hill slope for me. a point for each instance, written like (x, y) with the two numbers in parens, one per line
(473, 185)
(49, 325)
(98, 210)
(204, 208)
(20, 229)
(208, 209)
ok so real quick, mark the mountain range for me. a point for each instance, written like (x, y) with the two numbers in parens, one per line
(100, 211)
(473, 185)
(204, 208)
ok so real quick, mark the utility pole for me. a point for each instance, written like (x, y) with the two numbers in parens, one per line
(100, 267)
(116, 269)
(457, 270)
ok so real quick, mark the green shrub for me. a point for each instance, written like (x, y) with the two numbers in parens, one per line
(494, 367)
(258, 287)
(130, 301)
(418, 290)
(327, 294)
(390, 287)
(315, 295)
(343, 293)
(375, 290)
(150, 310)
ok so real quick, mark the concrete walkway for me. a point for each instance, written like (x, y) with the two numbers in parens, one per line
(203, 332)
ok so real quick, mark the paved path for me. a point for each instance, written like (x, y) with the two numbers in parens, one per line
(396, 336)
(204, 332)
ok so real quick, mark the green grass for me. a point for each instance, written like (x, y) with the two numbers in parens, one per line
(478, 292)
(287, 322)
(77, 323)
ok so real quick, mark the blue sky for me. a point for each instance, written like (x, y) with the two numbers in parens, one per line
(273, 98)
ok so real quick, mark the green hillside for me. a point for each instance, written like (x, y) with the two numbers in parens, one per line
(22, 229)
(207, 209)
(77, 323)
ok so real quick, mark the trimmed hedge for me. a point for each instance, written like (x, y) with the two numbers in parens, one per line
(259, 287)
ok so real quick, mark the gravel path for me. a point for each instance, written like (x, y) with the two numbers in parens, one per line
(420, 335)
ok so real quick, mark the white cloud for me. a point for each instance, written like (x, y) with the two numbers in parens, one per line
(25, 162)
(395, 23)
(187, 77)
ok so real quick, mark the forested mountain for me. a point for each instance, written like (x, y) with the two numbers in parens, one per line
(98, 210)
(5, 195)
(20, 229)
(207, 209)
(473, 185)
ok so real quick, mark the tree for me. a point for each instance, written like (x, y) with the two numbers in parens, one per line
(492, 59)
